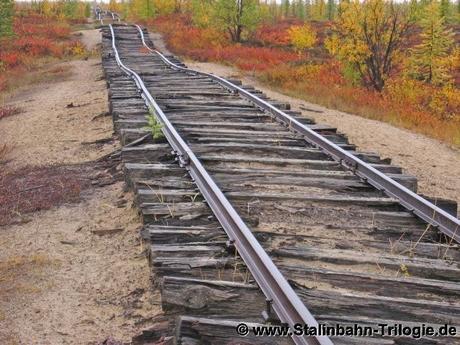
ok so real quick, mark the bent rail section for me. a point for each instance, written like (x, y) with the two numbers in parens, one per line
(429, 212)
(286, 304)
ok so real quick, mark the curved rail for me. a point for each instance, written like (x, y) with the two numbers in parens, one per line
(286, 304)
(100, 12)
(432, 214)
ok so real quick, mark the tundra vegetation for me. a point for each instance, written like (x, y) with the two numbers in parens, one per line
(397, 62)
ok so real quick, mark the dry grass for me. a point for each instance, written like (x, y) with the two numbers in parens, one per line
(4, 151)
(14, 268)
(21, 275)
(45, 70)
(33, 189)
(8, 111)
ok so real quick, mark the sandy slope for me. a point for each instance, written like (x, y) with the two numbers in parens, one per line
(59, 282)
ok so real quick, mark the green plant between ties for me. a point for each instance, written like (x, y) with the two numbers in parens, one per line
(154, 126)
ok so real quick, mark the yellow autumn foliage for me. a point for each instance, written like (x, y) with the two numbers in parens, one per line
(302, 37)
(445, 103)
(332, 44)
(442, 102)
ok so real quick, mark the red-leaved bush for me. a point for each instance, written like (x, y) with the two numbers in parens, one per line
(35, 36)
(271, 35)
(210, 45)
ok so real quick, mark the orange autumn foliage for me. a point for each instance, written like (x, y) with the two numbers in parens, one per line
(35, 36)
(275, 35)
(207, 44)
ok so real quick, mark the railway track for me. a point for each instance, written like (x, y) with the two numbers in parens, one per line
(108, 16)
(328, 239)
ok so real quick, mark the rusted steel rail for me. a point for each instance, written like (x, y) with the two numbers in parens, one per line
(430, 213)
(284, 301)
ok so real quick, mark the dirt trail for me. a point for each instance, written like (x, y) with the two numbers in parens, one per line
(56, 118)
(436, 165)
(62, 282)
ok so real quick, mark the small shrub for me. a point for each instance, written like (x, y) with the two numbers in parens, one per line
(445, 103)
(32, 189)
(8, 111)
(34, 45)
(155, 126)
(10, 60)
(275, 34)
(76, 48)
(302, 37)
(207, 44)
